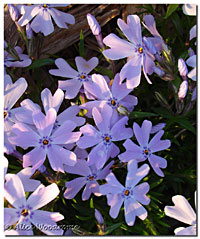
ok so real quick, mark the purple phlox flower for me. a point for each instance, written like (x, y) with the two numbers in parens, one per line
(193, 32)
(25, 211)
(115, 96)
(90, 175)
(20, 60)
(14, 12)
(183, 90)
(189, 9)
(135, 49)
(146, 149)
(157, 128)
(182, 68)
(183, 212)
(12, 93)
(46, 142)
(41, 15)
(103, 137)
(77, 78)
(131, 195)
(29, 185)
(98, 217)
(157, 40)
(49, 101)
(192, 63)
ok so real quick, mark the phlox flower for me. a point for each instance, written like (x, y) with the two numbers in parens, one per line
(90, 175)
(157, 40)
(24, 114)
(189, 9)
(12, 93)
(17, 60)
(115, 97)
(131, 195)
(104, 136)
(146, 149)
(45, 142)
(77, 78)
(29, 185)
(25, 211)
(41, 15)
(183, 212)
(191, 61)
(135, 49)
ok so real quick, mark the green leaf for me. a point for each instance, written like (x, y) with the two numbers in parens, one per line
(91, 203)
(155, 184)
(41, 62)
(112, 228)
(137, 114)
(187, 125)
(83, 218)
(177, 23)
(81, 45)
(171, 8)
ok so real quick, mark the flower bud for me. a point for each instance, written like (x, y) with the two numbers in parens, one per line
(94, 25)
(194, 94)
(14, 12)
(29, 32)
(158, 71)
(98, 217)
(183, 90)
(122, 110)
(182, 67)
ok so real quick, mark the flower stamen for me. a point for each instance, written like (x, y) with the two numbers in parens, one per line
(25, 212)
(127, 192)
(45, 142)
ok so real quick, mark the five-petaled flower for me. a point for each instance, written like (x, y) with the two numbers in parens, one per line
(146, 149)
(26, 211)
(131, 195)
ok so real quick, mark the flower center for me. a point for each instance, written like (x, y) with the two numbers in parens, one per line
(25, 212)
(45, 5)
(82, 77)
(5, 113)
(113, 102)
(146, 151)
(45, 142)
(91, 178)
(127, 192)
(107, 139)
(140, 50)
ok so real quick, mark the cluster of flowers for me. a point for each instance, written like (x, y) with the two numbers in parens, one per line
(88, 151)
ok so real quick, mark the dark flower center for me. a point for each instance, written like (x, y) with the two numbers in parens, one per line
(127, 192)
(82, 76)
(45, 142)
(140, 50)
(25, 212)
(91, 177)
(5, 114)
(107, 139)
(146, 151)
(113, 102)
